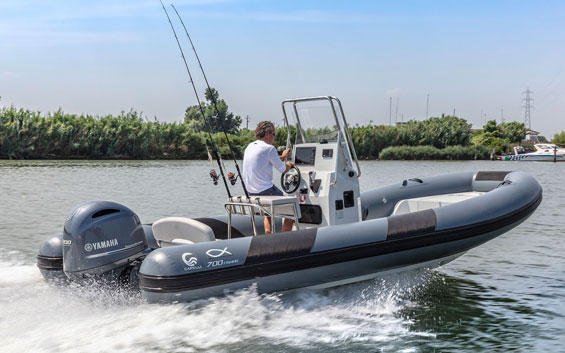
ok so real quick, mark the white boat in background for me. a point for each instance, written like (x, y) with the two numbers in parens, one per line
(545, 152)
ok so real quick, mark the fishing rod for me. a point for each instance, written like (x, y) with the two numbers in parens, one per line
(213, 174)
(215, 107)
(214, 149)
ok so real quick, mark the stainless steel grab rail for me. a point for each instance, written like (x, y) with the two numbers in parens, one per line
(330, 99)
(231, 208)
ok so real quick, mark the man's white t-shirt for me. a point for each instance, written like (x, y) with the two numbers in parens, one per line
(258, 161)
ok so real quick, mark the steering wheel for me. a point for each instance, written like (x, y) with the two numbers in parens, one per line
(290, 180)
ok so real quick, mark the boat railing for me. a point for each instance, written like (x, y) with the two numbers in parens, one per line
(252, 207)
(339, 120)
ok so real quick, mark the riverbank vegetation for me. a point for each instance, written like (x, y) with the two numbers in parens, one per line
(31, 135)
(26, 134)
(501, 137)
(559, 138)
(411, 153)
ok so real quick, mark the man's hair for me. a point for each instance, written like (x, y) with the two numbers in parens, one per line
(264, 128)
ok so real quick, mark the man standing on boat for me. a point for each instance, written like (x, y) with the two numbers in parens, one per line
(259, 159)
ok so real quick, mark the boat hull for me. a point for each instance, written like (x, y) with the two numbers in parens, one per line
(339, 273)
(328, 256)
(533, 158)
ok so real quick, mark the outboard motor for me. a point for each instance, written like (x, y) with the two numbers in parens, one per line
(102, 239)
(50, 258)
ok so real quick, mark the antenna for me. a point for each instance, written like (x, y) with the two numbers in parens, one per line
(390, 111)
(427, 106)
(247, 122)
(396, 114)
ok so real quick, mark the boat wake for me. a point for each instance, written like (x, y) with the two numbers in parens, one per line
(94, 318)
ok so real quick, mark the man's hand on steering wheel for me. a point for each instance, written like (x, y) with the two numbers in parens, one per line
(289, 166)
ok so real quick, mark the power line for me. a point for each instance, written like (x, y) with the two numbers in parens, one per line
(528, 107)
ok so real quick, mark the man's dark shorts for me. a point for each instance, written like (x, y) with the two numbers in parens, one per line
(272, 191)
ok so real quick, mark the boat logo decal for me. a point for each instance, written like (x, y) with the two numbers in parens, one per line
(218, 252)
(192, 261)
(100, 245)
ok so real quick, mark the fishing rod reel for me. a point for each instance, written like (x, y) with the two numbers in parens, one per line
(232, 178)
(214, 176)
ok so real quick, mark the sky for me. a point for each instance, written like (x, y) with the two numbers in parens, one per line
(472, 57)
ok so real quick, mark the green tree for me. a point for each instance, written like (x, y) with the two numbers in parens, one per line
(491, 136)
(513, 131)
(445, 131)
(225, 118)
(559, 138)
(490, 129)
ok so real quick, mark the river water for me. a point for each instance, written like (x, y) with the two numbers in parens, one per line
(508, 294)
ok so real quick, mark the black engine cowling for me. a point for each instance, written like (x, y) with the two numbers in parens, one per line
(101, 237)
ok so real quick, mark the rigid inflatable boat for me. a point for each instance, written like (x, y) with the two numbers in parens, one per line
(340, 235)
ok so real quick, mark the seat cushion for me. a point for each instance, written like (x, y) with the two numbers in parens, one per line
(176, 229)
(174, 242)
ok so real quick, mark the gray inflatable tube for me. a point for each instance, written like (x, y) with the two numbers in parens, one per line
(329, 256)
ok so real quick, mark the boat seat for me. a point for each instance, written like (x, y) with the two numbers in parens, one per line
(179, 230)
(434, 201)
(276, 206)
(283, 205)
